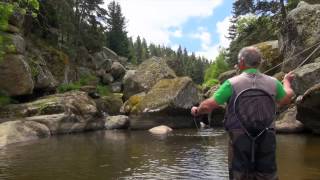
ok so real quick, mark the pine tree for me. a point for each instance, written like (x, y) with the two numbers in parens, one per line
(117, 39)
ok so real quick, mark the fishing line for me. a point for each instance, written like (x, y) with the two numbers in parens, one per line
(296, 55)
(204, 141)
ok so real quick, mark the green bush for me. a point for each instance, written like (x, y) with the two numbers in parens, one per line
(103, 90)
(210, 83)
(4, 99)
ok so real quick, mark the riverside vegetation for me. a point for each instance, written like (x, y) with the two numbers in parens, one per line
(69, 66)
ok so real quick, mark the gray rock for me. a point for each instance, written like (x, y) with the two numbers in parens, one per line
(110, 54)
(116, 87)
(41, 75)
(167, 103)
(287, 122)
(305, 77)
(20, 131)
(16, 19)
(15, 76)
(123, 60)
(16, 42)
(110, 104)
(60, 113)
(102, 61)
(302, 30)
(117, 122)
(160, 130)
(308, 109)
(146, 76)
(107, 78)
(118, 70)
(226, 75)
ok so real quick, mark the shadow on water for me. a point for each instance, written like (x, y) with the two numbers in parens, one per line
(183, 154)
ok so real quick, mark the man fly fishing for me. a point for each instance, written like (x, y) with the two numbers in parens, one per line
(251, 99)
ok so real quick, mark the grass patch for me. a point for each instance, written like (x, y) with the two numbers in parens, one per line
(103, 90)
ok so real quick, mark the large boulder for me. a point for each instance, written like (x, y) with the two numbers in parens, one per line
(110, 104)
(41, 75)
(15, 76)
(271, 56)
(60, 113)
(302, 30)
(117, 122)
(305, 77)
(102, 61)
(167, 103)
(227, 75)
(20, 131)
(287, 122)
(309, 109)
(146, 76)
(118, 70)
(14, 42)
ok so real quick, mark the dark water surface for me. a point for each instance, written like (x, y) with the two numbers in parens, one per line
(184, 154)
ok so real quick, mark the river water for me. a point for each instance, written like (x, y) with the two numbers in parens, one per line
(183, 154)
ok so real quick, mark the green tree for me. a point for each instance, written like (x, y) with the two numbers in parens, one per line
(117, 39)
(215, 69)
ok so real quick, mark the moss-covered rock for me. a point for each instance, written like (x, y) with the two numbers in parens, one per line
(226, 75)
(131, 103)
(110, 104)
(60, 113)
(147, 75)
(167, 103)
(270, 56)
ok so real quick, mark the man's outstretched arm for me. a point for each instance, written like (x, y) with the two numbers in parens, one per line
(287, 88)
(205, 107)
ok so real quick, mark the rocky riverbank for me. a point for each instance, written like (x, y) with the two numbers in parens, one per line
(56, 94)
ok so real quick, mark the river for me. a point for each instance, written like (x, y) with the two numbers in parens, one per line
(183, 154)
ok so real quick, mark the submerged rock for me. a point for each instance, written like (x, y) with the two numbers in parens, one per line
(309, 109)
(160, 130)
(167, 103)
(287, 122)
(146, 76)
(20, 131)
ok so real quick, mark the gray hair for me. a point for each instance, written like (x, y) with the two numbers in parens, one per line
(251, 56)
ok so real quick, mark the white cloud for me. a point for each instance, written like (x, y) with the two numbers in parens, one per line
(153, 19)
(211, 50)
(177, 33)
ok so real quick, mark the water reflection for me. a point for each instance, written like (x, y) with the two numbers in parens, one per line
(184, 154)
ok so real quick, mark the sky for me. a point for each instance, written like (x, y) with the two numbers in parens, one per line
(200, 26)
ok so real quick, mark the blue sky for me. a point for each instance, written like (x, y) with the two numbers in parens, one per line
(198, 25)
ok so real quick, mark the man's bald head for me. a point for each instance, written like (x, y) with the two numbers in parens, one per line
(251, 56)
